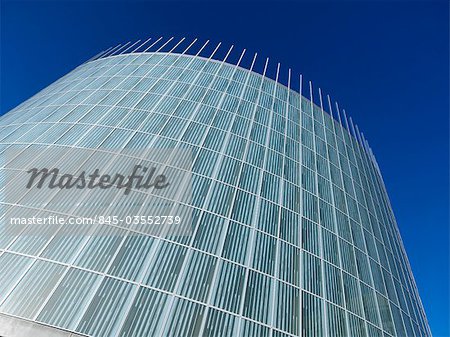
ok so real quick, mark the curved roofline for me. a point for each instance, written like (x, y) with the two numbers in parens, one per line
(131, 49)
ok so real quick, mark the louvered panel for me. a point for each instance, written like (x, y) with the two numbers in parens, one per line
(229, 287)
(219, 323)
(288, 308)
(264, 253)
(165, 266)
(312, 316)
(198, 276)
(100, 248)
(289, 266)
(185, 319)
(236, 242)
(70, 299)
(35, 286)
(145, 315)
(257, 297)
(251, 329)
(106, 309)
(209, 231)
(12, 267)
(129, 262)
(33, 239)
(66, 242)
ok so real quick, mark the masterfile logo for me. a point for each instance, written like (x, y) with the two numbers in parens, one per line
(144, 180)
(90, 186)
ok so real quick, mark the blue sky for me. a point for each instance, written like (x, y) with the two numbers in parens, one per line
(386, 63)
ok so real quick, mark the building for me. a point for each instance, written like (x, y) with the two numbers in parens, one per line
(292, 230)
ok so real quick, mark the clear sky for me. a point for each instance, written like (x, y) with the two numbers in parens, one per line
(386, 63)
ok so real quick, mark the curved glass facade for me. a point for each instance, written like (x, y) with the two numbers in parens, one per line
(293, 233)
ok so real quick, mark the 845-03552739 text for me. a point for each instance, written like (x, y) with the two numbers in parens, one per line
(99, 219)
